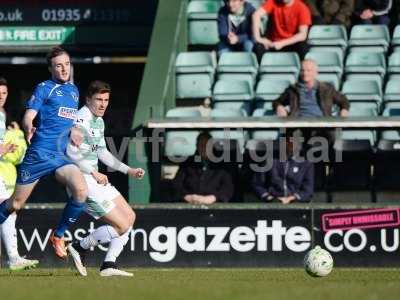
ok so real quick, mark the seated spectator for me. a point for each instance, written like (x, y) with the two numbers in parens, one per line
(287, 181)
(373, 11)
(234, 26)
(288, 23)
(199, 181)
(309, 97)
(337, 12)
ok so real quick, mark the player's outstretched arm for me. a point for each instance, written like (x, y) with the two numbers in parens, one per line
(27, 124)
(111, 161)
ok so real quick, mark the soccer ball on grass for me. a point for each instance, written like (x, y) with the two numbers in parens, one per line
(318, 262)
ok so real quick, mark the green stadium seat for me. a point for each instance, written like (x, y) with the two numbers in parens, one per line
(203, 9)
(394, 63)
(232, 90)
(391, 112)
(269, 90)
(238, 66)
(194, 74)
(366, 49)
(328, 35)
(236, 105)
(337, 50)
(391, 105)
(237, 135)
(202, 20)
(364, 108)
(180, 143)
(358, 135)
(233, 94)
(227, 113)
(368, 63)
(392, 91)
(328, 62)
(279, 76)
(396, 38)
(262, 112)
(329, 78)
(280, 62)
(195, 62)
(183, 112)
(391, 135)
(371, 77)
(370, 36)
(265, 134)
(362, 91)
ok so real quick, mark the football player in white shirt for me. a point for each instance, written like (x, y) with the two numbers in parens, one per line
(104, 201)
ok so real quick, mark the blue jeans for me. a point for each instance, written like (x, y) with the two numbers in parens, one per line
(246, 46)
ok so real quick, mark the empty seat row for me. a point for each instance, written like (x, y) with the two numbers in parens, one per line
(195, 73)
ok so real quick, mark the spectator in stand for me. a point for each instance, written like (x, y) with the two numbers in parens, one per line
(311, 98)
(234, 26)
(337, 12)
(287, 181)
(200, 181)
(373, 11)
(288, 23)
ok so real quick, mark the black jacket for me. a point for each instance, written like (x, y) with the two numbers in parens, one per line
(327, 97)
(203, 179)
(284, 179)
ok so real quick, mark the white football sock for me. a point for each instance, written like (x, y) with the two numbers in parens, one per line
(102, 235)
(116, 246)
(9, 236)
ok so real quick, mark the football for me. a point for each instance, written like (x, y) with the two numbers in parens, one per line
(318, 262)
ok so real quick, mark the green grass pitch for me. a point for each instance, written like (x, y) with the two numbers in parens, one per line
(192, 284)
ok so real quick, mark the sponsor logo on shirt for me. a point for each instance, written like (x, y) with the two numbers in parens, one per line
(59, 93)
(68, 113)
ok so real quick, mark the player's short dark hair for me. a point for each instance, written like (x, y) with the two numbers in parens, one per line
(98, 87)
(54, 52)
(3, 81)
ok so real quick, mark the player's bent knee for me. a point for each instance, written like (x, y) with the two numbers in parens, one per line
(122, 227)
(80, 193)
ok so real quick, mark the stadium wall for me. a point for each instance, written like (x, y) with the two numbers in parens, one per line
(249, 235)
(157, 92)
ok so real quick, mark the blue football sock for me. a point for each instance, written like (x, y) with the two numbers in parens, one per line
(4, 213)
(70, 215)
